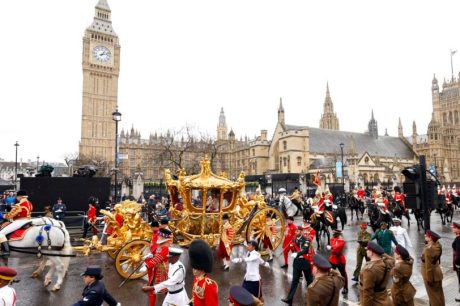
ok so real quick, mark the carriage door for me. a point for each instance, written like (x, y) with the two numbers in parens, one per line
(213, 206)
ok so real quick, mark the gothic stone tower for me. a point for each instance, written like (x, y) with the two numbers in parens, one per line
(101, 67)
(329, 119)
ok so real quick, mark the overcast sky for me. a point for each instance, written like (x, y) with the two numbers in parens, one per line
(181, 61)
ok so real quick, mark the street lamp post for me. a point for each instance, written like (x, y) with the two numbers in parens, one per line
(435, 170)
(16, 163)
(38, 160)
(343, 174)
(116, 116)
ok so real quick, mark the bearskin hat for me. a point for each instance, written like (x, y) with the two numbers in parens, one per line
(397, 189)
(200, 256)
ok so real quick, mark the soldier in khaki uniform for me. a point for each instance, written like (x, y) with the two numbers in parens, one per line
(431, 272)
(363, 238)
(402, 291)
(374, 277)
(324, 290)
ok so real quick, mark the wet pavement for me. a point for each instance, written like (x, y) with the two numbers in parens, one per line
(275, 281)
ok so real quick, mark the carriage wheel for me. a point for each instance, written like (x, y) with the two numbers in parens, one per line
(112, 253)
(268, 236)
(130, 257)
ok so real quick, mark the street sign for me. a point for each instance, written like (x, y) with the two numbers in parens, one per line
(338, 168)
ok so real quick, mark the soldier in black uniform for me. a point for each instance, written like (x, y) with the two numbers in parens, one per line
(95, 293)
(301, 265)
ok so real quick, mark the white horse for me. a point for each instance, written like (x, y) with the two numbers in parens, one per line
(50, 239)
(291, 209)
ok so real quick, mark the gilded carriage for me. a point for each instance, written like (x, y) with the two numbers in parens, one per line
(198, 203)
(128, 239)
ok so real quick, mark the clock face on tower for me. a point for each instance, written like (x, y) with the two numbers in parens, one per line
(101, 54)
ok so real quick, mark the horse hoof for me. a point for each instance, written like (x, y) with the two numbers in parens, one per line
(35, 275)
(47, 282)
(56, 288)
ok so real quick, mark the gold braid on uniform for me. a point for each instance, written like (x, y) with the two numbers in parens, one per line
(16, 210)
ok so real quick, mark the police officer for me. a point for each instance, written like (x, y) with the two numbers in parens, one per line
(59, 210)
(94, 294)
(327, 284)
(431, 271)
(456, 253)
(175, 282)
(241, 297)
(300, 247)
(374, 276)
(363, 238)
(402, 291)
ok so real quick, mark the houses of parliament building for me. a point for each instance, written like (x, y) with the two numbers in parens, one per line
(367, 157)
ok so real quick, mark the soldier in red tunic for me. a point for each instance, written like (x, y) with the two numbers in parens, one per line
(204, 288)
(20, 214)
(225, 245)
(289, 236)
(90, 217)
(158, 263)
(309, 233)
(337, 259)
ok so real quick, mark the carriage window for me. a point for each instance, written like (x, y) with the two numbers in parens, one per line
(197, 198)
(227, 198)
(212, 201)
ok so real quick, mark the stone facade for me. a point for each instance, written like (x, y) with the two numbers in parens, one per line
(441, 144)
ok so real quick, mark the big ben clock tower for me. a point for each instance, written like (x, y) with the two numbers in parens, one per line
(101, 67)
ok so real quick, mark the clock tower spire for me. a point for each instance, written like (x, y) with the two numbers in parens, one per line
(101, 67)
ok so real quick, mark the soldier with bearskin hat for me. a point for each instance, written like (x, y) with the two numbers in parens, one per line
(204, 288)
(225, 245)
(20, 213)
(431, 270)
(157, 263)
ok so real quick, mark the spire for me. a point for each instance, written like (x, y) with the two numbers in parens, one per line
(281, 112)
(329, 119)
(222, 126)
(400, 128)
(434, 83)
(372, 115)
(327, 90)
(372, 126)
(102, 22)
(414, 128)
(222, 118)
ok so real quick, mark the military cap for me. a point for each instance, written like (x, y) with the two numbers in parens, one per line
(363, 225)
(21, 193)
(255, 244)
(173, 251)
(402, 251)
(434, 236)
(383, 223)
(375, 247)
(225, 217)
(164, 221)
(95, 271)
(336, 232)
(239, 296)
(456, 224)
(396, 220)
(154, 223)
(164, 235)
(321, 262)
(7, 273)
(397, 189)
(200, 256)
(291, 218)
(300, 227)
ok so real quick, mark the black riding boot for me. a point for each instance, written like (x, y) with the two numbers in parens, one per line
(5, 249)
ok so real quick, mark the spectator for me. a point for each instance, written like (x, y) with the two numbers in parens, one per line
(141, 199)
(59, 210)
(161, 210)
(10, 200)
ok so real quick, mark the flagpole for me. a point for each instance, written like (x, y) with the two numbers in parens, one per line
(452, 52)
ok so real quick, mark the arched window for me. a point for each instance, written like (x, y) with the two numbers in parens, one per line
(299, 161)
(456, 117)
(451, 120)
(284, 145)
(444, 119)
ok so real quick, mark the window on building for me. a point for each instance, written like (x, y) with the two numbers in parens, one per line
(299, 161)
(253, 152)
(284, 161)
(366, 160)
(285, 145)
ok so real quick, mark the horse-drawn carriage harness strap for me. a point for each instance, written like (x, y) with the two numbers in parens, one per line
(47, 228)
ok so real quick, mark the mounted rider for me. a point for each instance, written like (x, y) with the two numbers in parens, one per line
(296, 198)
(20, 214)
(361, 194)
(381, 202)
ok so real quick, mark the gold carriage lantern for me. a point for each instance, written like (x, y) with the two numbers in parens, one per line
(198, 203)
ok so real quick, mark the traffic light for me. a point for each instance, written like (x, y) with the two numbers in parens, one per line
(412, 187)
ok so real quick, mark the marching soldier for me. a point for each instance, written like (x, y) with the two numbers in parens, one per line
(95, 293)
(363, 238)
(175, 282)
(7, 293)
(225, 244)
(324, 291)
(374, 277)
(204, 291)
(20, 213)
(299, 247)
(431, 271)
(456, 252)
(241, 297)
(337, 259)
(289, 236)
(157, 263)
(402, 291)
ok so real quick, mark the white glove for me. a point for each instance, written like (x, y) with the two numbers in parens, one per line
(148, 256)
(266, 265)
(328, 247)
(58, 211)
(118, 304)
(294, 255)
(237, 260)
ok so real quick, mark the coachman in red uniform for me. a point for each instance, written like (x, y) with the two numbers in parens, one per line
(157, 263)
(204, 288)
(289, 237)
(20, 214)
(337, 259)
